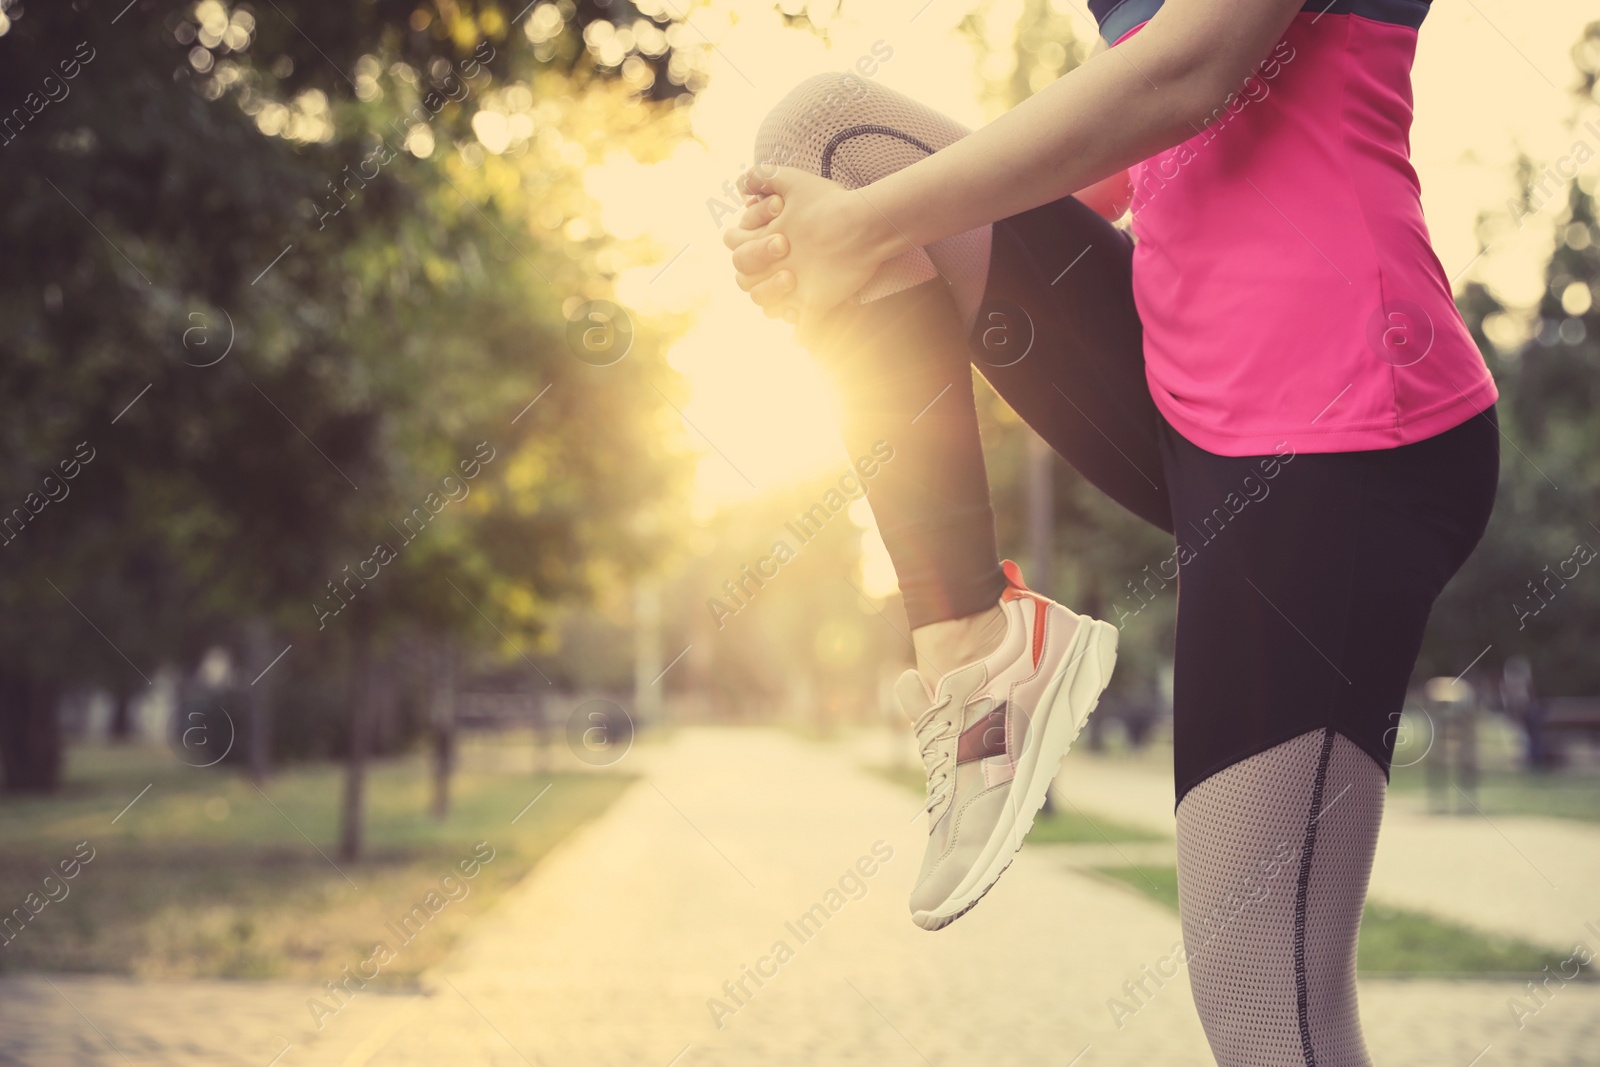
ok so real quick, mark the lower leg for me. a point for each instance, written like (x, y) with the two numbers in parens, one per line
(941, 647)
(905, 390)
(1083, 390)
(899, 358)
(1274, 853)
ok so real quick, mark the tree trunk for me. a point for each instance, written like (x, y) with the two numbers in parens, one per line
(383, 708)
(121, 728)
(442, 723)
(30, 734)
(352, 827)
(258, 709)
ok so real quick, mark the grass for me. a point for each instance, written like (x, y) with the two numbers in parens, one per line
(1557, 794)
(1505, 788)
(1395, 942)
(205, 875)
(1068, 826)
(1158, 883)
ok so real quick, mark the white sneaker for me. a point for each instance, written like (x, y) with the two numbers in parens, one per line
(992, 739)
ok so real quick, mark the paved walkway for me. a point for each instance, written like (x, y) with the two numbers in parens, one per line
(610, 954)
(613, 950)
(77, 1021)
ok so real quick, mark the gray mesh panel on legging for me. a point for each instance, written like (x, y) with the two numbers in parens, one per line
(855, 132)
(1273, 857)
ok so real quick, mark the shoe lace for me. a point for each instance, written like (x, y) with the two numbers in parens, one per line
(931, 730)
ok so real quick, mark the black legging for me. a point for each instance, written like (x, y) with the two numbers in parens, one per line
(1306, 578)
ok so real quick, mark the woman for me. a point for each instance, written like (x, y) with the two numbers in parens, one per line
(1271, 368)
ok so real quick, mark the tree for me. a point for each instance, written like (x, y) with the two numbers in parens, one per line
(279, 290)
(1530, 588)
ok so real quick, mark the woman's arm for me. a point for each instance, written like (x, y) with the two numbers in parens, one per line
(1151, 92)
(1110, 196)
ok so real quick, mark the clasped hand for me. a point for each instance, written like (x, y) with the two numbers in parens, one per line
(804, 245)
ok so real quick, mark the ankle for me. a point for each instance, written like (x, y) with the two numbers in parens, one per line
(951, 644)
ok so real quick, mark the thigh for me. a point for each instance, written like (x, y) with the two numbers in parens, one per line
(1058, 336)
(1305, 585)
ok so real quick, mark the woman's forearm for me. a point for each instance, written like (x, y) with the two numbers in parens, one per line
(1119, 107)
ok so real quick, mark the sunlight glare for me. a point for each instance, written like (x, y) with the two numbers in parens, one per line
(762, 413)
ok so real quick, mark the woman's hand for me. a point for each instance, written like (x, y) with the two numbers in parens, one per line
(805, 244)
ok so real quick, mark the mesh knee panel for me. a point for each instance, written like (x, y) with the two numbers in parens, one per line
(855, 132)
(1273, 858)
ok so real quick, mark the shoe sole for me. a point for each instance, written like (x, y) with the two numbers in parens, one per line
(1035, 770)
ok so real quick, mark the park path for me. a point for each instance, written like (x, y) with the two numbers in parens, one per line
(609, 952)
(79, 1021)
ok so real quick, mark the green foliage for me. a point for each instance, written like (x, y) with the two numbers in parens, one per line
(1524, 591)
(301, 187)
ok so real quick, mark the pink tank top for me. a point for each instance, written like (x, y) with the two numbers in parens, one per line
(1283, 272)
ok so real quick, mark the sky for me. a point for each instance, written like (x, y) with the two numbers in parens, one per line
(1489, 82)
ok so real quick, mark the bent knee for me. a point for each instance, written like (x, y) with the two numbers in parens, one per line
(823, 94)
(796, 131)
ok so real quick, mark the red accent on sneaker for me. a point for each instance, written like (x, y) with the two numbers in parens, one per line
(1016, 588)
(1041, 608)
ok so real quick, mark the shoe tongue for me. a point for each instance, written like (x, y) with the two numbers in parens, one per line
(913, 693)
